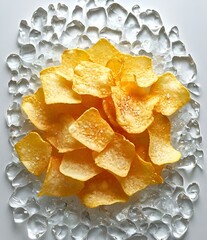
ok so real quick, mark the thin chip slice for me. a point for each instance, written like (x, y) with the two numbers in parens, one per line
(71, 58)
(173, 95)
(93, 79)
(103, 189)
(133, 113)
(58, 185)
(160, 149)
(60, 137)
(102, 52)
(141, 175)
(79, 164)
(109, 109)
(117, 156)
(34, 153)
(116, 66)
(60, 70)
(57, 89)
(92, 130)
(133, 89)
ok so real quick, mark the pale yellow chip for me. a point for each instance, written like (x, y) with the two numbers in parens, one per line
(71, 58)
(116, 66)
(103, 189)
(102, 52)
(173, 95)
(60, 137)
(109, 109)
(141, 175)
(92, 130)
(34, 153)
(37, 111)
(133, 112)
(133, 89)
(160, 149)
(117, 156)
(57, 89)
(93, 79)
(58, 185)
(139, 67)
(79, 164)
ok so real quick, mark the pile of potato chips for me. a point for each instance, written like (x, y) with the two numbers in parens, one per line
(102, 128)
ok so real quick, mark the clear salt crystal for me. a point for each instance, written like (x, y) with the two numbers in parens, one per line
(172, 177)
(12, 169)
(117, 233)
(21, 179)
(91, 4)
(152, 214)
(62, 10)
(193, 191)
(72, 218)
(163, 42)
(143, 227)
(23, 86)
(85, 218)
(135, 214)
(137, 236)
(84, 42)
(131, 28)
(179, 226)
(97, 17)
(39, 19)
(167, 219)
(47, 33)
(93, 34)
(36, 226)
(32, 206)
(23, 34)
(34, 36)
(96, 233)
(58, 24)
(80, 231)
(47, 206)
(193, 108)
(193, 128)
(46, 48)
(152, 19)
(54, 38)
(77, 13)
(185, 206)
(13, 62)
(111, 34)
(178, 48)
(136, 47)
(187, 163)
(136, 10)
(159, 231)
(174, 34)
(128, 226)
(50, 13)
(60, 232)
(75, 28)
(167, 204)
(20, 215)
(56, 218)
(194, 88)
(124, 46)
(27, 53)
(14, 115)
(199, 158)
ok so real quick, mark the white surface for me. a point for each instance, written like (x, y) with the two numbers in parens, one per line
(189, 16)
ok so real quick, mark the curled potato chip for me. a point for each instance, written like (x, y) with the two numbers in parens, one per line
(116, 65)
(57, 89)
(93, 79)
(133, 89)
(58, 185)
(34, 153)
(141, 175)
(102, 52)
(103, 189)
(92, 130)
(160, 149)
(173, 95)
(133, 113)
(60, 137)
(109, 109)
(79, 164)
(117, 156)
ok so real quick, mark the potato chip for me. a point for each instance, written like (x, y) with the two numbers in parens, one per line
(102, 52)
(116, 65)
(173, 95)
(109, 109)
(57, 89)
(60, 137)
(90, 101)
(79, 164)
(34, 153)
(63, 71)
(141, 175)
(93, 79)
(103, 189)
(133, 113)
(58, 185)
(71, 58)
(91, 130)
(160, 149)
(117, 156)
(133, 89)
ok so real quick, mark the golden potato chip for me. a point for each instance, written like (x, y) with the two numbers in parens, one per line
(60, 137)
(63, 71)
(103, 189)
(160, 149)
(173, 95)
(58, 185)
(57, 89)
(90, 101)
(71, 58)
(139, 67)
(34, 153)
(116, 65)
(109, 109)
(117, 156)
(133, 113)
(79, 164)
(37, 111)
(141, 175)
(133, 89)
(102, 52)
(91, 130)
(93, 79)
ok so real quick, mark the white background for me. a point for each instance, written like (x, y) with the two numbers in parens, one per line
(191, 18)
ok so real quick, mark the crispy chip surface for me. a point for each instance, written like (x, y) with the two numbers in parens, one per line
(61, 70)
(102, 52)
(57, 89)
(92, 130)
(79, 164)
(173, 95)
(160, 149)
(117, 156)
(34, 153)
(109, 109)
(133, 113)
(93, 79)
(58, 185)
(103, 189)
(116, 65)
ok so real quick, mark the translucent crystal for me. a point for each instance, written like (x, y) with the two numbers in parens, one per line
(21, 179)
(56, 218)
(39, 19)
(136, 47)
(77, 13)
(47, 206)
(135, 214)
(84, 42)
(136, 9)
(13, 62)
(93, 34)
(152, 19)
(46, 48)
(179, 226)
(23, 35)
(32, 206)
(97, 17)
(34, 36)
(62, 10)
(131, 28)
(167, 204)
(96, 234)
(172, 177)
(27, 53)
(185, 205)
(111, 34)
(36, 226)
(193, 191)
(128, 226)
(167, 219)
(23, 86)
(199, 158)
(194, 88)
(159, 231)
(14, 115)
(12, 169)
(50, 13)
(188, 163)
(178, 48)
(174, 34)
(163, 41)
(60, 231)
(72, 218)
(47, 32)
(117, 233)
(152, 214)
(80, 231)
(91, 4)
(193, 108)
(58, 24)
(20, 215)
(137, 237)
